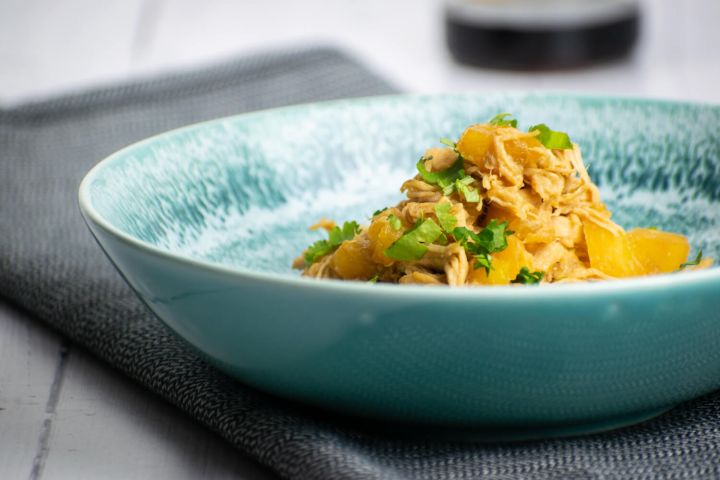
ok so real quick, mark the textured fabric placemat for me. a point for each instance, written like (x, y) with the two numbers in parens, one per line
(51, 267)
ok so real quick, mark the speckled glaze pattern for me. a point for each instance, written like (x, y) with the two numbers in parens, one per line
(204, 222)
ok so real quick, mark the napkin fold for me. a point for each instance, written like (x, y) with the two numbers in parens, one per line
(51, 267)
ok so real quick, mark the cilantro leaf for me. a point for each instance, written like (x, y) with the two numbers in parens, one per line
(446, 219)
(378, 212)
(316, 251)
(491, 239)
(500, 121)
(394, 222)
(465, 235)
(494, 236)
(374, 279)
(445, 179)
(527, 277)
(463, 186)
(551, 138)
(692, 263)
(412, 244)
(483, 260)
(336, 236)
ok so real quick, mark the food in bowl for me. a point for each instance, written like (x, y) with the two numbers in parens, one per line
(204, 223)
(501, 206)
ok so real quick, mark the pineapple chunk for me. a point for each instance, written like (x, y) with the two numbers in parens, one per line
(524, 150)
(657, 251)
(475, 142)
(505, 264)
(352, 260)
(382, 235)
(611, 254)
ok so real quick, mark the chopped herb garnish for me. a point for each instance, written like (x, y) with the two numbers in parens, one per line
(550, 138)
(527, 277)
(374, 279)
(394, 222)
(412, 244)
(446, 219)
(491, 239)
(692, 263)
(448, 142)
(378, 212)
(483, 260)
(336, 236)
(445, 179)
(463, 186)
(494, 236)
(501, 121)
(653, 227)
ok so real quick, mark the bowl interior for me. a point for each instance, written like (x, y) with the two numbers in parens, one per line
(242, 191)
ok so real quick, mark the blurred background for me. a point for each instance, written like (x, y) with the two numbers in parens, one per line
(50, 47)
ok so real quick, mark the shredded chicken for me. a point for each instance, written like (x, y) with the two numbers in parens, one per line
(548, 203)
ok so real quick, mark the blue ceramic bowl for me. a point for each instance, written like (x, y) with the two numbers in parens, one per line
(204, 222)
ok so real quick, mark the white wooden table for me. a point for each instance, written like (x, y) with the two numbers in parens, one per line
(63, 414)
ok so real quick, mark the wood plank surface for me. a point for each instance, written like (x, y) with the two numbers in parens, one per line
(129, 433)
(29, 361)
(64, 414)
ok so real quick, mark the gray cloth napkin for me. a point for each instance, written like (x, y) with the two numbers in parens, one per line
(51, 267)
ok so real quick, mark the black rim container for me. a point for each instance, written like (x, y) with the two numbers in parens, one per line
(501, 41)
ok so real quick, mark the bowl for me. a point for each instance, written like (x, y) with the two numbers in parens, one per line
(204, 222)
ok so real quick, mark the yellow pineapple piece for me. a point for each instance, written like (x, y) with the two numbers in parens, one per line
(382, 235)
(352, 260)
(658, 251)
(505, 264)
(475, 142)
(611, 253)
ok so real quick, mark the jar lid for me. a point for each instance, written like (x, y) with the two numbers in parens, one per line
(540, 34)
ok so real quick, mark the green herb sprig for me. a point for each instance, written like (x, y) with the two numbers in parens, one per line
(336, 237)
(526, 277)
(469, 193)
(394, 222)
(412, 245)
(446, 219)
(491, 239)
(501, 120)
(451, 179)
(445, 179)
(552, 139)
(692, 263)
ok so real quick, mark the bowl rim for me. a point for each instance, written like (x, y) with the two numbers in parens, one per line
(630, 285)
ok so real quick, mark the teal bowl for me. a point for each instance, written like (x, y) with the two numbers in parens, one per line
(204, 222)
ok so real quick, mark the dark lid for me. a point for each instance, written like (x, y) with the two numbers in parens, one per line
(540, 35)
